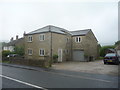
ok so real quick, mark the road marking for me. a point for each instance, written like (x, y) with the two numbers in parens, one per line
(35, 86)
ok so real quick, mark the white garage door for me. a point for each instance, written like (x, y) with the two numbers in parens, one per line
(78, 55)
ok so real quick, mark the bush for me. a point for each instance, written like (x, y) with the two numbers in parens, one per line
(5, 53)
(55, 57)
(19, 50)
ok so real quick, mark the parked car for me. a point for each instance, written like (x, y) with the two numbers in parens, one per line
(111, 58)
(13, 55)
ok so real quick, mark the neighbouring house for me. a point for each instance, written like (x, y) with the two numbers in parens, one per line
(80, 45)
(11, 45)
(110, 50)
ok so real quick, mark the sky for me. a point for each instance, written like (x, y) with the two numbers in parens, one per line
(29, 15)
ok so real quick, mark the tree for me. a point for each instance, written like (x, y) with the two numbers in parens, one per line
(117, 43)
(19, 50)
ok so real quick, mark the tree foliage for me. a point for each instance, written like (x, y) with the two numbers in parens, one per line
(19, 50)
(117, 43)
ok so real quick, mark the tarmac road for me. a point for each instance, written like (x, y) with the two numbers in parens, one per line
(23, 78)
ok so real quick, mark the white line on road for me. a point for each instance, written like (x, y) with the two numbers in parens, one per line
(35, 86)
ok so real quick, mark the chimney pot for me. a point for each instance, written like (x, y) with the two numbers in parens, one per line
(16, 37)
(11, 39)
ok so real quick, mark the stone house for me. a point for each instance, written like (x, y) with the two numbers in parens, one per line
(118, 49)
(50, 40)
(11, 45)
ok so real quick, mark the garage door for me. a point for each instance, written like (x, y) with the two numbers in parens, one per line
(78, 55)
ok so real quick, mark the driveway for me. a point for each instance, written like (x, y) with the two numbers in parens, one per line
(96, 67)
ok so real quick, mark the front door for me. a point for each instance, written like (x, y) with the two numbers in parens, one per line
(59, 55)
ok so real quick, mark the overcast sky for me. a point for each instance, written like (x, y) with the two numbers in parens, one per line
(101, 17)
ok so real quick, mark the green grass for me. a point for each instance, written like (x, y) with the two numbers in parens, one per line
(100, 58)
(4, 61)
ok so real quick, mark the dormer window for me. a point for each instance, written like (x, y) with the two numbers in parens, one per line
(77, 39)
(30, 38)
(42, 37)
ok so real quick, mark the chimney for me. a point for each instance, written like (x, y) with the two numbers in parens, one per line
(11, 39)
(16, 37)
(24, 33)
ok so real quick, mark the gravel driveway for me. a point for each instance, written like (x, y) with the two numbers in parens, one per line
(97, 67)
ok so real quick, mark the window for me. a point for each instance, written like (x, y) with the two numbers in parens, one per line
(42, 52)
(30, 51)
(67, 39)
(42, 37)
(77, 39)
(67, 51)
(30, 38)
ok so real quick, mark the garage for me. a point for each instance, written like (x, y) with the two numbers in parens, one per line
(78, 55)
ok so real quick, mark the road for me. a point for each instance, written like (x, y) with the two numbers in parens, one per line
(13, 77)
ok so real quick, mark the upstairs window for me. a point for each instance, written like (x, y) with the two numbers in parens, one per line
(42, 52)
(77, 39)
(42, 37)
(30, 52)
(67, 39)
(30, 39)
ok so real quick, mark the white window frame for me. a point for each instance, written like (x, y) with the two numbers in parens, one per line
(67, 39)
(29, 52)
(41, 54)
(41, 35)
(30, 38)
(79, 39)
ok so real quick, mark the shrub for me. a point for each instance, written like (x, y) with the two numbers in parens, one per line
(5, 53)
(55, 57)
(19, 50)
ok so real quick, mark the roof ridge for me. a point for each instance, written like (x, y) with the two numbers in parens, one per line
(81, 30)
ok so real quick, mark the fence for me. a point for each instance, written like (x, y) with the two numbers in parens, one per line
(29, 62)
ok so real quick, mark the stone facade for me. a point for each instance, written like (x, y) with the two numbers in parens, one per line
(59, 40)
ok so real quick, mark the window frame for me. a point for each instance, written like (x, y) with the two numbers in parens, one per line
(29, 51)
(30, 38)
(43, 37)
(40, 50)
(78, 39)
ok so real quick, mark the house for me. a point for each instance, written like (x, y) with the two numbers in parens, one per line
(80, 45)
(11, 45)
(110, 50)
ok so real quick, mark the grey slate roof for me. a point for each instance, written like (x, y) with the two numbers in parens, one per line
(80, 32)
(49, 28)
(113, 50)
(12, 43)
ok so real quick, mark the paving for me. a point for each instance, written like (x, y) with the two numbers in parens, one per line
(96, 67)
